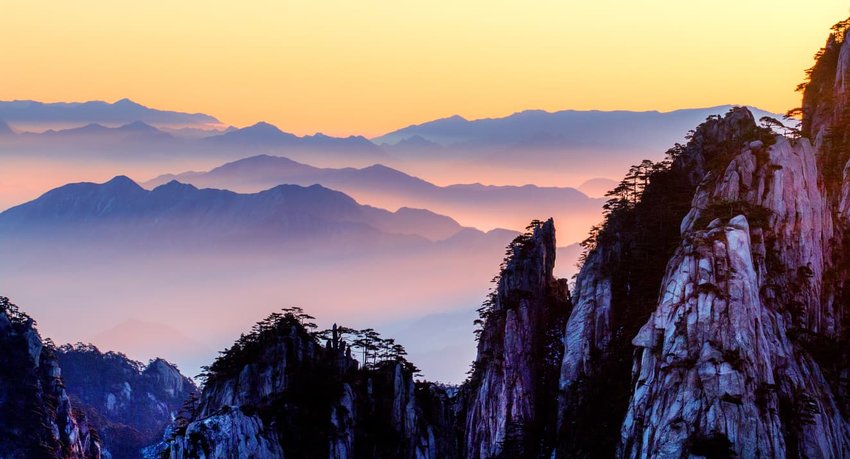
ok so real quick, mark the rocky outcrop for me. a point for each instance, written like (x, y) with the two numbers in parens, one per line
(717, 370)
(514, 376)
(37, 419)
(247, 396)
(617, 286)
(131, 403)
(744, 350)
(709, 319)
(279, 393)
(397, 417)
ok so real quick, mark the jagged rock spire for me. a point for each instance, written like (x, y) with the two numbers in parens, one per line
(514, 380)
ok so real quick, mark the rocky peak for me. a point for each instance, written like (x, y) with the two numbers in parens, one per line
(131, 402)
(618, 285)
(728, 362)
(36, 416)
(742, 352)
(168, 377)
(711, 143)
(532, 259)
(514, 375)
(825, 93)
(279, 392)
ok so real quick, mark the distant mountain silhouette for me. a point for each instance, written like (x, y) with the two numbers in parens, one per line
(474, 204)
(546, 148)
(177, 211)
(597, 187)
(574, 128)
(261, 133)
(136, 128)
(179, 254)
(557, 149)
(415, 144)
(34, 115)
(267, 137)
(5, 129)
(144, 141)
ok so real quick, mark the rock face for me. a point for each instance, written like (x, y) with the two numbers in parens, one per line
(514, 376)
(36, 416)
(746, 351)
(743, 352)
(130, 403)
(709, 319)
(279, 393)
(282, 394)
(617, 287)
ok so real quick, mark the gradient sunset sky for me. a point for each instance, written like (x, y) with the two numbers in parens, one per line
(368, 67)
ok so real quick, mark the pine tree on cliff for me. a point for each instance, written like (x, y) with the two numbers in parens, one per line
(631, 249)
(514, 377)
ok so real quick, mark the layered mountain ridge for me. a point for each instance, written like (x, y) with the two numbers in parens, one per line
(703, 323)
(42, 116)
(164, 245)
(293, 210)
(709, 319)
(481, 206)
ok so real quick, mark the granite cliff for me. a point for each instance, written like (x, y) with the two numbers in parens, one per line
(515, 376)
(709, 319)
(130, 403)
(37, 419)
(280, 392)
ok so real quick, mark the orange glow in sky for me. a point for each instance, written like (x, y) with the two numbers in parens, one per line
(371, 66)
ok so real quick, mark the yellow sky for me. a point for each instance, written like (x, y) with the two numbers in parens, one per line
(371, 66)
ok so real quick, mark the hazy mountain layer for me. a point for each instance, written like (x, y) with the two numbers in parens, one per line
(562, 149)
(476, 205)
(741, 354)
(179, 252)
(29, 115)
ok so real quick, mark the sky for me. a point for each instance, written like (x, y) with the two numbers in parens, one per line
(372, 66)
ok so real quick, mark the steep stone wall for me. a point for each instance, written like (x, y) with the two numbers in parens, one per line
(509, 410)
(36, 416)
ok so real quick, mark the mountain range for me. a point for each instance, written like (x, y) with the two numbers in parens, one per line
(30, 115)
(181, 212)
(527, 147)
(533, 129)
(545, 148)
(142, 142)
(476, 205)
(741, 354)
(709, 318)
(183, 252)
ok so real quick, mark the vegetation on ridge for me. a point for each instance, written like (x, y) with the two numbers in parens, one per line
(631, 248)
(375, 351)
